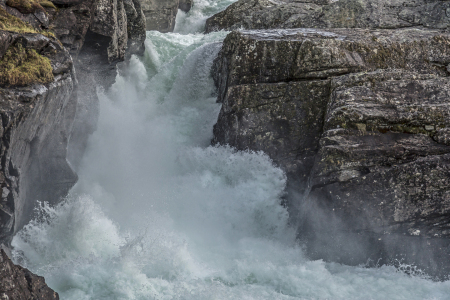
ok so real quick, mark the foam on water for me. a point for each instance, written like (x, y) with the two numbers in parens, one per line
(158, 213)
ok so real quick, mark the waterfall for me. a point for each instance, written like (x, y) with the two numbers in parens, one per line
(159, 213)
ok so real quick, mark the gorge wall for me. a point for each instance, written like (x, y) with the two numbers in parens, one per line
(358, 118)
(53, 57)
(161, 15)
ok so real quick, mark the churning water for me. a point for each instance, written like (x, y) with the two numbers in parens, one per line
(158, 213)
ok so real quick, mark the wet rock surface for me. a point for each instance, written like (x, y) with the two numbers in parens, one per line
(161, 14)
(42, 125)
(45, 124)
(383, 14)
(358, 119)
(17, 283)
(36, 123)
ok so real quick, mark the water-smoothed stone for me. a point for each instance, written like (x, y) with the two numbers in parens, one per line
(383, 14)
(36, 122)
(17, 283)
(359, 120)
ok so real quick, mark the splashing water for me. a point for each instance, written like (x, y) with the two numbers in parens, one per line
(160, 214)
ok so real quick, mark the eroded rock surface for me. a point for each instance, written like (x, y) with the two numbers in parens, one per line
(17, 283)
(161, 14)
(42, 121)
(36, 123)
(383, 14)
(358, 119)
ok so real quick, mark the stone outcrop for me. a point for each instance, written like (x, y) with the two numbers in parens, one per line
(359, 120)
(36, 123)
(98, 35)
(383, 14)
(161, 14)
(46, 122)
(17, 283)
(51, 61)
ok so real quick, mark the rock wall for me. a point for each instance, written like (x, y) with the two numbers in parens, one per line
(43, 124)
(17, 283)
(383, 14)
(36, 122)
(161, 14)
(358, 119)
(52, 60)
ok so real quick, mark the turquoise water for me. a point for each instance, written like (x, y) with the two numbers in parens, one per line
(158, 213)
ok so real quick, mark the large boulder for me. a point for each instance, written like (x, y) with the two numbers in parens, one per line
(358, 119)
(267, 14)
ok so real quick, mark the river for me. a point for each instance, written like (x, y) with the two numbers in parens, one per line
(159, 213)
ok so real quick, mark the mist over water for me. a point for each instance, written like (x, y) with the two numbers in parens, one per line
(158, 213)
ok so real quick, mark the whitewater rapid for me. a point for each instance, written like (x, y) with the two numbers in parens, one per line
(158, 213)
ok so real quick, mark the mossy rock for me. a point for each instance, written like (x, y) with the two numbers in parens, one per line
(20, 67)
(9, 22)
(30, 6)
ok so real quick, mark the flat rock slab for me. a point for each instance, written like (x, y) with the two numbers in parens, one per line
(299, 54)
(383, 14)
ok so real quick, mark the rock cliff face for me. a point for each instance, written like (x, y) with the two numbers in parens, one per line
(36, 122)
(46, 121)
(161, 14)
(51, 61)
(17, 283)
(359, 120)
(384, 14)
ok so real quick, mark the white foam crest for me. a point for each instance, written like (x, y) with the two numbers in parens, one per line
(194, 20)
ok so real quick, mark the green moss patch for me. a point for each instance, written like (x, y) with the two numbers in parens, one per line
(20, 67)
(11, 23)
(30, 6)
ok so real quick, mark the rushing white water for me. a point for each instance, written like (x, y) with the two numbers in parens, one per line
(160, 214)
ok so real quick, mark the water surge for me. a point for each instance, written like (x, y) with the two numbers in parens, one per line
(159, 213)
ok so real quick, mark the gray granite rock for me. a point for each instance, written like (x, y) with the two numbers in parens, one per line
(36, 123)
(383, 14)
(358, 119)
(161, 14)
(17, 283)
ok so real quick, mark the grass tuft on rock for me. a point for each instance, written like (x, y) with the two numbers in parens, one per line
(30, 6)
(20, 67)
